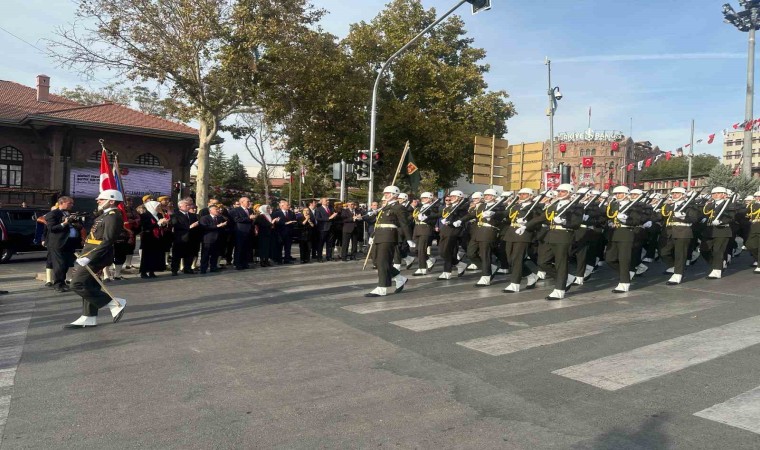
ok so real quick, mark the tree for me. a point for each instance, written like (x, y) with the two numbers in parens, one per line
(237, 176)
(110, 93)
(434, 95)
(679, 167)
(210, 54)
(218, 166)
(722, 175)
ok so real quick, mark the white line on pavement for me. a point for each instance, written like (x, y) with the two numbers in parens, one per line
(742, 411)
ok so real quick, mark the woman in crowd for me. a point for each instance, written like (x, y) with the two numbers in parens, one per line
(336, 228)
(307, 229)
(152, 242)
(264, 235)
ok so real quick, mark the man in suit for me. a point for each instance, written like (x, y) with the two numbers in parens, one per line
(211, 224)
(284, 221)
(243, 221)
(62, 240)
(351, 219)
(325, 216)
(205, 211)
(182, 223)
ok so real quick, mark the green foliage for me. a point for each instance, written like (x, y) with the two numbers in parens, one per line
(218, 166)
(142, 98)
(237, 176)
(434, 95)
(722, 175)
(679, 167)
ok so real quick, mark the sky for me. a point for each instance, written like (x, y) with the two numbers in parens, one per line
(645, 67)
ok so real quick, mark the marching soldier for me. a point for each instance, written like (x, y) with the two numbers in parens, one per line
(425, 216)
(391, 227)
(753, 238)
(624, 216)
(679, 215)
(517, 238)
(719, 211)
(587, 235)
(450, 231)
(641, 233)
(483, 235)
(98, 253)
(402, 254)
(563, 218)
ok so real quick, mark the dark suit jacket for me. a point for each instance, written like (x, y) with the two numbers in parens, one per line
(58, 234)
(280, 227)
(209, 226)
(347, 217)
(323, 218)
(242, 219)
(181, 226)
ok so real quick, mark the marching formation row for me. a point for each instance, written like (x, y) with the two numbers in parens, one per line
(563, 234)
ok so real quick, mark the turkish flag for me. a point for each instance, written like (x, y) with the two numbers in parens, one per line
(748, 126)
(669, 155)
(648, 162)
(736, 125)
(588, 161)
(106, 176)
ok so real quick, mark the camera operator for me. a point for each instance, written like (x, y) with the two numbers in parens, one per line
(63, 238)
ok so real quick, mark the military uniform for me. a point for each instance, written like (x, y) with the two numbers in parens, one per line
(753, 238)
(391, 227)
(483, 235)
(450, 234)
(585, 239)
(518, 216)
(718, 232)
(677, 235)
(559, 240)
(99, 248)
(619, 253)
(423, 229)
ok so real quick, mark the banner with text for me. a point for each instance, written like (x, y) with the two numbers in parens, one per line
(138, 181)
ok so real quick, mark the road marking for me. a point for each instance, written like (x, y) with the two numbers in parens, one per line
(502, 344)
(742, 411)
(418, 302)
(500, 311)
(645, 363)
(6, 377)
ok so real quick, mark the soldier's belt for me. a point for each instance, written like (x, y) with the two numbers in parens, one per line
(421, 223)
(559, 227)
(587, 226)
(386, 225)
(486, 225)
(755, 220)
(620, 225)
(515, 225)
(93, 241)
(679, 224)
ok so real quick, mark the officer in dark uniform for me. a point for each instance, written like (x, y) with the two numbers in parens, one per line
(753, 236)
(450, 230)
(391, 227)
(586, 234)
(624, 218)
(677, 234)
(518, 239)
(720, 212)
(98, 253)
(425, 216)
(563, 217)
(483, 236)
(62, 240)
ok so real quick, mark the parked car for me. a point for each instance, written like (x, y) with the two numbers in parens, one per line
(20, 231)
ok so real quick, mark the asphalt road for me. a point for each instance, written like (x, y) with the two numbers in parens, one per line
(296, 357)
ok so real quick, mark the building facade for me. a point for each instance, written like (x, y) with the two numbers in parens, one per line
(50, 146)
(733, 143)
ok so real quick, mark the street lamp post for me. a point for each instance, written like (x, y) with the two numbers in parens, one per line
(554, 96)
(747, 20)
(477, 5)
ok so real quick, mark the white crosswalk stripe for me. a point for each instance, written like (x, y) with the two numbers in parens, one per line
(516, 341)
(742, 411)
(14, 322)
(625, 369)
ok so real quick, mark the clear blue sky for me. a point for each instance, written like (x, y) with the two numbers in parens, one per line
(658, 62)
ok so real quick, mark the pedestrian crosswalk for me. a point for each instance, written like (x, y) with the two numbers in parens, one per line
(457, 312)
(14, 322)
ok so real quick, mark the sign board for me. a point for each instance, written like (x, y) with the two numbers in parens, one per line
(489, 160)
(590, 135)
(551, 180)
(138, 181)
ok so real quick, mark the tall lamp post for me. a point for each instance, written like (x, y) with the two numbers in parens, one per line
(477, 6)
(746, 20)
(554, 96)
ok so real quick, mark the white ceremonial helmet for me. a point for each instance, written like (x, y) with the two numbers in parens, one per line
(678, 190)
(595, 192)
(756, 194)
(636, 192)
(605, 194)
(392, 190)
(566, 187)
(426, 195)
(403, 196)
(456, 194)
(110, 194)
(749, 198)
(551, 194)
(476, 195)
(583, 191)
(621, 190)
(719, 190)
(528, 191)
(490, 192)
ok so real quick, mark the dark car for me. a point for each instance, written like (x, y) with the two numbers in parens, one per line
(20, 231)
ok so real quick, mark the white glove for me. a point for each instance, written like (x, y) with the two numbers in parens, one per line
(421, 217)
(445, 221)
(622, 217)
(371, 240)
(647, 224)
(520, 231)
(704, 219)
(585, 217)
(715, 222)
(522, 221)
(412, 244)
(457, 223)
(560, 220)
(371, 213)
(83, 261)
(679, 215)
(487, 214)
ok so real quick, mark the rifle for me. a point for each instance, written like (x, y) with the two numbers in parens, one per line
(536, 202)
(592, 200)
(731, 199)
(570, 205)
(422, 211)
(632, 202)
(692, 196)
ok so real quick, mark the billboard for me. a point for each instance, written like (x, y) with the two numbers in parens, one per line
(84, 182)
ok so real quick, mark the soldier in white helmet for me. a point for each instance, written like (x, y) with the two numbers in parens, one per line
(98, 253)
(719, 212)
(402, 255)
(517, 239)
(679, 217)
(450, 230)
(425, 217)
(484, 234)
(753, 237)
(624, 216)
(587, 235)
(641, 233)
(391, 227)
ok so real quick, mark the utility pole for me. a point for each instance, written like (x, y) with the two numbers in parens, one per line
(691, 154)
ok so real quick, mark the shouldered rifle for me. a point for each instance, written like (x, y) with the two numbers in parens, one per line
(536, 202)
(633, 202)
(422, 210)
(692, 196)
(729, 200)
(574, 201)
(592, 200)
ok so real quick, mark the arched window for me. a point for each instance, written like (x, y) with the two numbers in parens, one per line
(11, 166)
(147, 159)
(95, 157)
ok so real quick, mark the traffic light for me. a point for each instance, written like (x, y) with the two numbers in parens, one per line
(361, 165)
(479, 5)
(376, 161)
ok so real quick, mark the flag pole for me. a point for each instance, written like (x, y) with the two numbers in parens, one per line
(691, 154)
(400, 163)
